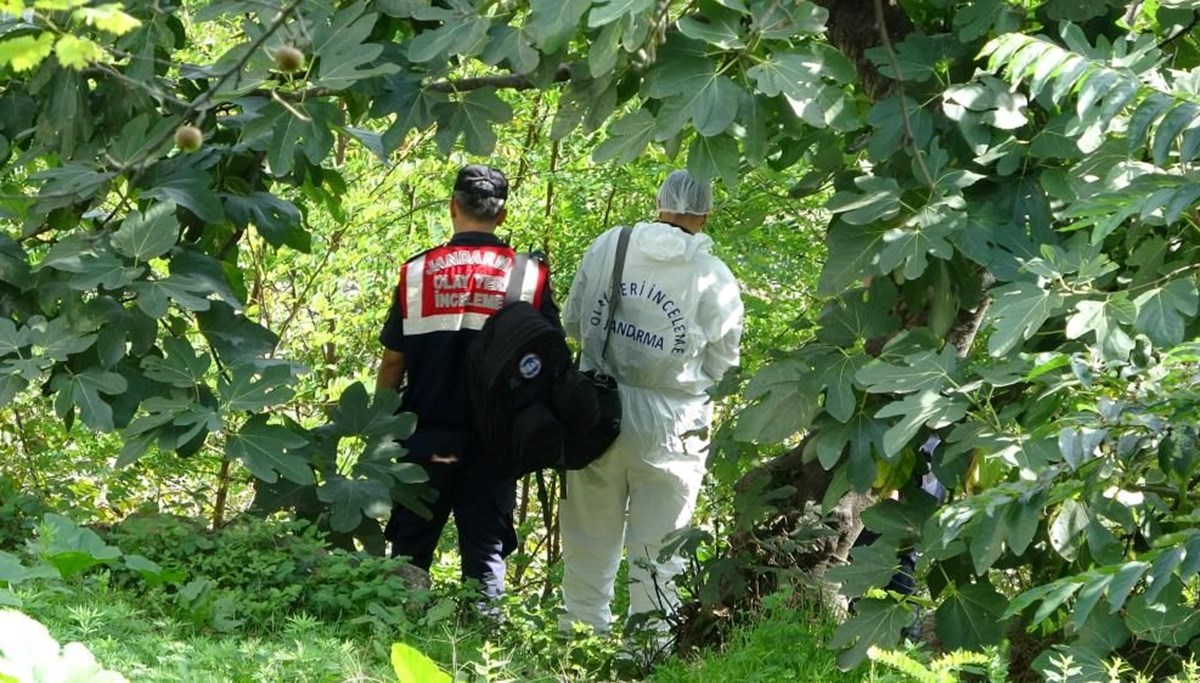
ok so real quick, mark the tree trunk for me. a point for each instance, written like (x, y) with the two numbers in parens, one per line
(853, 28)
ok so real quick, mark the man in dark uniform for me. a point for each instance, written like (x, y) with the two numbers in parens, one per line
(442, 300)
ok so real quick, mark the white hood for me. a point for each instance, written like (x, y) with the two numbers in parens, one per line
(664, 242)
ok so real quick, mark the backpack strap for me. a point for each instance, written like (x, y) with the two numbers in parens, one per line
(516, 279)
(614, 298)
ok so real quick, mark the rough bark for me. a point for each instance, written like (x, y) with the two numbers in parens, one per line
(853, 28)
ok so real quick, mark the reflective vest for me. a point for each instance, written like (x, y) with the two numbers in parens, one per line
(453, 287)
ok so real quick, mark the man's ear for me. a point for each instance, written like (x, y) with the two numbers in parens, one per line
(453, 208)
(501, 216)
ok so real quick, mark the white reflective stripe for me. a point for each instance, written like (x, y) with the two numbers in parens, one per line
(452, 322)
(529, 288)
(414, 281)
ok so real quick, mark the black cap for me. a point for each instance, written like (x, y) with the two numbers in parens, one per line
(481, 182)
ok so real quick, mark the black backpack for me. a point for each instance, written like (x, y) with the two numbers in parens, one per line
(531, 407)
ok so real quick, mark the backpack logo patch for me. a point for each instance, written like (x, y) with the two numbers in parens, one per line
(530, 365)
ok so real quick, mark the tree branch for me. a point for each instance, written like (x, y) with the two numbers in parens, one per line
(909, 138)
(504, 81)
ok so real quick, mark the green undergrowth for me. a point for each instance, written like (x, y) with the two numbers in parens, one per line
(160, 598)
(778, 645)
(144, 647)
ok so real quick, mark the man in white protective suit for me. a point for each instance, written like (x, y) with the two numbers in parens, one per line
(676, 331)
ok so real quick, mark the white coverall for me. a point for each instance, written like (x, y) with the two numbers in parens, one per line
(676, 332)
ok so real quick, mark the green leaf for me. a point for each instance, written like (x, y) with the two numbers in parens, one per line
(859, 314)
(605, 50)
(102, 268)
(698, 90)
(276, 219)
(878, 199)
(462, 35)
(552, 23)
(970, 617)
(190, 188)
(864, 435)
(378, 461)
(627, 137)
(267, 451)
(252, 389)
(926, 408)
(1161, 572)
(12, 572)
(82, 390)
(826, 106)
(10, 386)
(838, 377)
(140, 141)
(24, 53)
(108, 17)
(1105, 319)
(925, 371)
(721, 29)
(77, 53)
(413, 667)
(59, 341)
(870, 566)
(1087, 599)
(300, 128)
(72, 549)
(342, 53)
(13, 338)
(516, 47)
(1170, 621)
(877, 623)
(901, 521)
(784, 401)
(605, 12)
(154, 296)
(1018, 312)
(182, 367)
(201, 269)
(1124, 581)
(912, 246)
(143, 237)
(714, 156)
(1069, 528)
(234, 337)
(918, 56)
(472, 118)
(412, 105)
(357, 415)
(14, 263)
(1075, 10)
(1163, 312)
(795, 73)
(753, 114)
(351, 499)
(783, 20)
(852, 252)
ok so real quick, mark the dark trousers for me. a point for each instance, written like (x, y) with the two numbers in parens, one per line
(482, 504)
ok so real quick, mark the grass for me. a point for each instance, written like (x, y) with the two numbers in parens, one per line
(784, 645)
(131, 639)
(144, 647)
